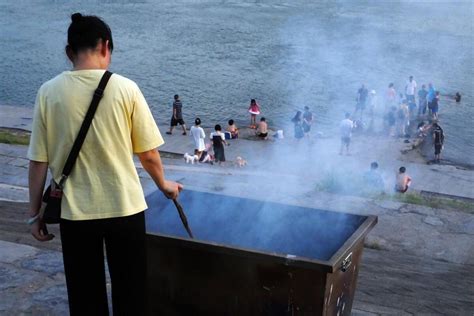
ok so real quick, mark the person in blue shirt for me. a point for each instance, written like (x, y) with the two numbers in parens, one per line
(422, 101)
(430, 97)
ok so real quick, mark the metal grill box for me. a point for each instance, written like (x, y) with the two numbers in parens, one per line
(251, 257)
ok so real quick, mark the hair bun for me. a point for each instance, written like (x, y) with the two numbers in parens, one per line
(76, 17)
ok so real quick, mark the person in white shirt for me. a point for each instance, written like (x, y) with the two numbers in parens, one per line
(410, 90)
(198, 135)
(346, 127)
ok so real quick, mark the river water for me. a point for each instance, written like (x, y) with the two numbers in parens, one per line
(287, 54)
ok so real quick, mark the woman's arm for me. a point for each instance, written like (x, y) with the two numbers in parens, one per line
(37, 173)
(151, 162)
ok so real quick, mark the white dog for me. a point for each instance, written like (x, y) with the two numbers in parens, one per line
(191, 158)
(240, 162)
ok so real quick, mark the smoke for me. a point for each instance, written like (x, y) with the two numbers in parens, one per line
(325, 52)
(255, 225)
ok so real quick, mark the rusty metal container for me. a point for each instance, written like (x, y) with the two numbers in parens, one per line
(251, 257)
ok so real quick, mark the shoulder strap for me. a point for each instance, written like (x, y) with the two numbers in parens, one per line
(71, 159)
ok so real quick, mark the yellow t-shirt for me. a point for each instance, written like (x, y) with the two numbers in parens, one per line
(104, 182)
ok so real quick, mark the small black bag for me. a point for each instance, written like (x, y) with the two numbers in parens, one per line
(52, 197)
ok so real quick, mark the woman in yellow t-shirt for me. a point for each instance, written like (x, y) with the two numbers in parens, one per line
(103, 201)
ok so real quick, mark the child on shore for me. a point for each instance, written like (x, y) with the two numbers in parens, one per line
(262, 130)
(254, 110)
(233, 130)
(403, 181)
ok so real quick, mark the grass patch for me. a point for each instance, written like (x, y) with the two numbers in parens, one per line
(351, 183)
(432, 201)
(14, 137)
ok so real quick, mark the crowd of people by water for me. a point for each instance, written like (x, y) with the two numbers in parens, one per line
(398, 112)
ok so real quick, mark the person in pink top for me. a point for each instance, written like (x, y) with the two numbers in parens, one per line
(254, 110)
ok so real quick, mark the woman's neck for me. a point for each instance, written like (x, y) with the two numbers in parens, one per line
(88, 60)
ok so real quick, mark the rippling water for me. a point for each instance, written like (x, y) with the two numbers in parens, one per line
(219, 54)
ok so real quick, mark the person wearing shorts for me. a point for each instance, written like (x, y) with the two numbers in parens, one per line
(177, 117)
(438, 139)
(346, 127)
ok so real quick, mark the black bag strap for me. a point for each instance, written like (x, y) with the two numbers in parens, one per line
(81, 136)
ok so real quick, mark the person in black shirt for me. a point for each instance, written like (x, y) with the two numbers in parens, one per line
(177, 117)
(361, 99)
(438, 140)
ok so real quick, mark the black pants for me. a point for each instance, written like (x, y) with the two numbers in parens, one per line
(83, 255)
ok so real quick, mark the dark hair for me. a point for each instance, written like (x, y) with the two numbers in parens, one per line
(218, 127)
(176, 97)
(297, 117)
(85, 31)
(306, 107)
(231, 122)
(402, 169)
(374, 165)
(197, 121)
(253, 101)
(390, 84)
(262, 119)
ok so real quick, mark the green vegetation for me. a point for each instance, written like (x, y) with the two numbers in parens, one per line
(16, 137)
(347, 183)
(434, 202)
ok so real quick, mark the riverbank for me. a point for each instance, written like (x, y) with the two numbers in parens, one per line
(412, 259)
(411, 262)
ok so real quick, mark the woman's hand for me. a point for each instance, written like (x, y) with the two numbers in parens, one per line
(171, 189)
(40, 232)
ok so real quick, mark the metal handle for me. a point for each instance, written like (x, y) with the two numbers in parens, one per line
(346, 263)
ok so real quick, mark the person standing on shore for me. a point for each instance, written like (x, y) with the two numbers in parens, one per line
(438, 140)
(429, 98)
(422, 101)
(390, 97)
(298, 125)
(198, 134)
(435, 106)
(403, 118)
(218, 142)
(346, 127)
(254, 110)
(177, 117)
(372, 109)
(361, 99)
(103, 200)
(391, 119)
(410, 90)
(307, 121)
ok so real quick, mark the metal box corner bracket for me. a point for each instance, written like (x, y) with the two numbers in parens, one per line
(251, 257)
